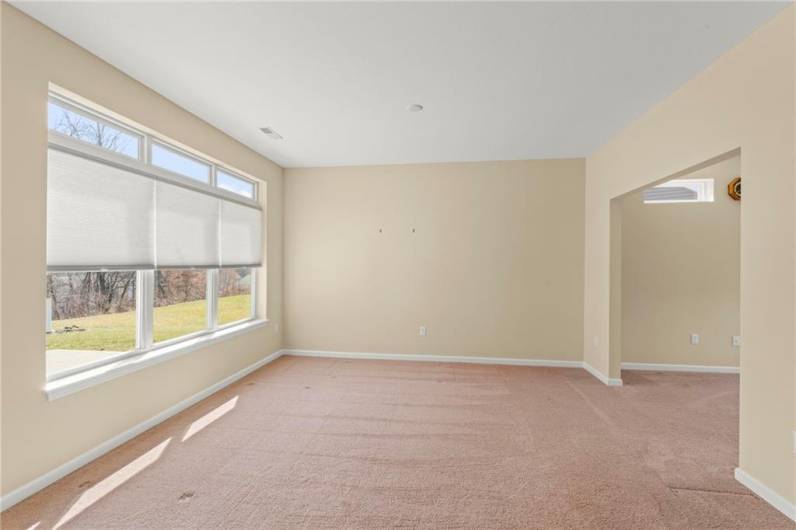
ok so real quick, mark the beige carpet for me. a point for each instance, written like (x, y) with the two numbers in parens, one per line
(322, 443)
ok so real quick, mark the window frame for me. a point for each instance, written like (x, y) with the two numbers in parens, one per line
(145, 278)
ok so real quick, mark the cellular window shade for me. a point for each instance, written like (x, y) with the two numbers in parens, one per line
(186, 227)
(98, 215)
(240, 234)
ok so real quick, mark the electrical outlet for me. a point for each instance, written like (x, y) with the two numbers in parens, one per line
(695, 338)
(736, 340)
(595, 341)
(423, 331)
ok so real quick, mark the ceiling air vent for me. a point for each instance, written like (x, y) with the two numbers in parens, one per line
(270, 133)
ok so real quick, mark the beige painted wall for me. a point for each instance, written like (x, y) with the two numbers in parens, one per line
(744, 100)
(495, 267)
(680, 274)
(38, 435)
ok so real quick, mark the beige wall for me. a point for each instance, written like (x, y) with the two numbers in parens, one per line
(495, 267)
(680, 274)
(744, 100)
(38, 435)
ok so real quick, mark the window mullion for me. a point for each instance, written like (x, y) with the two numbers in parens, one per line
(253, 291)
(144, 308)
(212, 298)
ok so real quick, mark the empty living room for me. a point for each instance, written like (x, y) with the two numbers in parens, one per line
(375, 265)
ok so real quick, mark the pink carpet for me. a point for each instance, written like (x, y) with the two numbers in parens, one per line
(323, 443)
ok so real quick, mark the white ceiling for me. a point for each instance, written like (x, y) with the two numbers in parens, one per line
(499, 81)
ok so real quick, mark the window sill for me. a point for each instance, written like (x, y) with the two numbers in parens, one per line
(94, 376)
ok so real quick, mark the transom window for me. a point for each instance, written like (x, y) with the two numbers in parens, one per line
(680, 190)
(147, 244)
(227, 181)
(70, 121)
(182, 164)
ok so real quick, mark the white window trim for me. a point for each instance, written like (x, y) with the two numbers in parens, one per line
(86, 378)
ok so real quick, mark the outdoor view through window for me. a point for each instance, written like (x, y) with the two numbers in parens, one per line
(180, 303)
(91, 316)
(234, 295)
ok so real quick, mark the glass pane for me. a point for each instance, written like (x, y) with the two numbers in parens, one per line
(228, 182)
(234, 295)
(90, 317)
(178, 163)
(681, 190)
(180, 303)
(89, 130)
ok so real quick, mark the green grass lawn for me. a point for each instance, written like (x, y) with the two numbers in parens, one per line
(116, 331)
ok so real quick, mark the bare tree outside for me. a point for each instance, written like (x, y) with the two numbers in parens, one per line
(92, 131)
(232, 282)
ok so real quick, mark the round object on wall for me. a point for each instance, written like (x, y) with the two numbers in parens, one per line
(734, 188)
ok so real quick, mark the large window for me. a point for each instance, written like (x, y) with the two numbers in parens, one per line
(146, 244)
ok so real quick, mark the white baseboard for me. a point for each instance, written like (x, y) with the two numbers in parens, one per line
(767, 494)
(665, 367)
(48, 478)
(601, 376)
(512, 361)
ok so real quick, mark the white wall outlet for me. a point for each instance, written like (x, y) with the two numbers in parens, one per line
(736, 340)
(695, 338)
(595, 341)
(423, 331)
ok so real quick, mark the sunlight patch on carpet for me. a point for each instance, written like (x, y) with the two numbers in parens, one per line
(100, 490)
(210, 417)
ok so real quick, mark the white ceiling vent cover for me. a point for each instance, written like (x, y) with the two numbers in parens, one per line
(270, 133)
